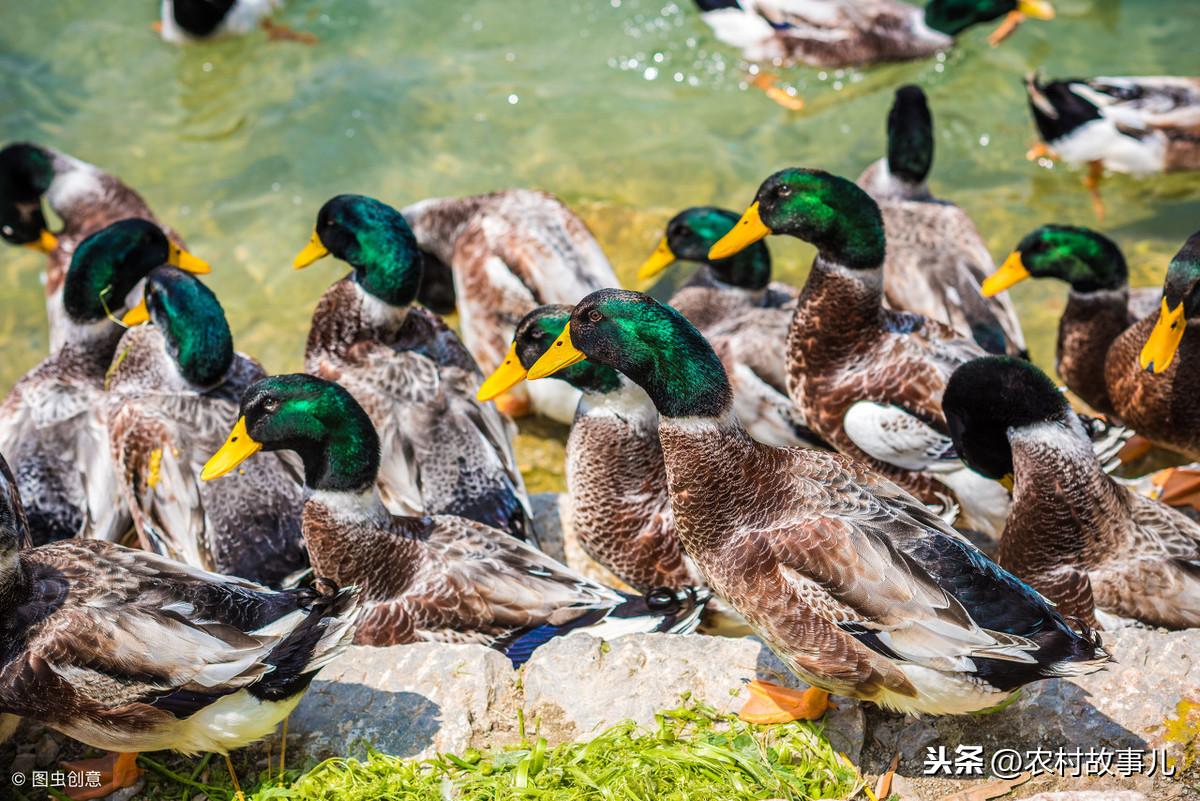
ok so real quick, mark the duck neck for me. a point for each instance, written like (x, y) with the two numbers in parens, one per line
(346, 460)
(626, 400)
(843, 302)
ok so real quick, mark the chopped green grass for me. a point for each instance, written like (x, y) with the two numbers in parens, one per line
(693, 754)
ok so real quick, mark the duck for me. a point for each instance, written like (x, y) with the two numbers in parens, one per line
(1095, 548)
(867, 379)
(85, 198)
(190, 21)
(743, 313)
(936, 261)
(509, 252)
(172, 390)
(847, 34)
(1151, 368)
(859, 588)
(444, 452)
(1137, 125)
(1100, 304)
(441, 578)
(616, 480)
(52, 421)
(128, 651)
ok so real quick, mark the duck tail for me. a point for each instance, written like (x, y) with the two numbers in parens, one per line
(1086, 653)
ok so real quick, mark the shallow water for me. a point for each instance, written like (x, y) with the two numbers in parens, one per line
(628, 109)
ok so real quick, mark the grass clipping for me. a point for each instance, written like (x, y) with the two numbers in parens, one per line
(694, 754)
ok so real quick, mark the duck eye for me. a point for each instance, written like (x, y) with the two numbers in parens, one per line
(270, 405)
(595, 316)
(783, 191)
(537, 333)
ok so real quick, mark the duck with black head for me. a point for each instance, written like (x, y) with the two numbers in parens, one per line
(184, 21)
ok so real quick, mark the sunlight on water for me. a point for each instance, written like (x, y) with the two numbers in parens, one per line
(628, 109)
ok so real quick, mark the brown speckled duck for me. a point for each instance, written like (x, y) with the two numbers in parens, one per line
(172, 392)
(1098, 550)
(869, 380)
(1152, 371)
(1099, 308)
(444, 452)
(854, 583)
(85, 197)
(127, 651)
(52, 423)
(509, 252)
(936, 260)
(441, 577)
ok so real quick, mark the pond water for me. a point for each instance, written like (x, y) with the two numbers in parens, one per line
(627, 109)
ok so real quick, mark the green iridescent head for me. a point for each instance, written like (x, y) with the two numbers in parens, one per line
(1182, 284)
(1085, 259)
(108, 265)
(691, 234)
(910, 135)
(538, 330)
(651, 344)
(317, 419)
(26, 172)
(952, 17)
(375, 240)
(193, 324)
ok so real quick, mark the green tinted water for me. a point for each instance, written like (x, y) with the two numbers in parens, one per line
(628, 109)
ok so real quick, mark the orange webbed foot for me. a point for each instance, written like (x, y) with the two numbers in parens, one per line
(772, 703)
(1006, 28)
(116, 771)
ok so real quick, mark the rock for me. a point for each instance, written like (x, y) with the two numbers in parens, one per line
(23, 764)
(1090, 795)
(46, 752)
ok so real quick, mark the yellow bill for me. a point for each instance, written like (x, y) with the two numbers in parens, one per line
(237, 449)
(313, 251)
(562, 354)
(185, 261)
(137, 315)
(1010, 273)
(503, 378)
(1164, 340)
(1038, 9)
(748, 230)
(46, 242)
(659, 260)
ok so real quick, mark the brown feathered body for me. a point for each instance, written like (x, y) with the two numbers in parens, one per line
(1090, 324)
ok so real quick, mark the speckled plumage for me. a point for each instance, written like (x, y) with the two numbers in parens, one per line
(161, 431)
(511, 251)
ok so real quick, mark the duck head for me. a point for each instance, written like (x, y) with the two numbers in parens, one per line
(1180, 303)
(535, 334)
(375, 240)
(1085, 259)
(651, 344)
(910, 136)
(952, 17)
(317, 419)
(192, 323)
(829, 212)
(691, 234)
(26, 172)
(990, 399)
(1057, 109)
(199, 18)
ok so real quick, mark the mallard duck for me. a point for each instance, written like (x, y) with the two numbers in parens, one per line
(840, 33)
(444, 452)
(440, 577)
(869, 380)
(1090, 545)
(173, 388)
(744, 315)
(52, 422)
(616, 480)
(1152, 370)
(184, 21)
(86, 199)
(855, 584)
(1099, 307)
(936, 260)
(127, 651)
(1136, 125)
(510, 252)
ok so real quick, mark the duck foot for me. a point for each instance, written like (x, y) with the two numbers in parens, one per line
(769, 84)
(278, 32)
(1180, 487)
(772, 703)
(1092, 182)
(514, 405)
(117, 771)
(1006, 29)
(1040, 151)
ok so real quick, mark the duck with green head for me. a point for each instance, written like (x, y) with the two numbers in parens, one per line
(852, 581)
(743, 313)
(864, 32)
(936, 260)
(173, 387)
(1094, 547)
(430, 578)
(1100, 305)
(1152, 370)
(83, 196)
(128, 651)
(444, 452)
(52, 422)
(869, 380)
(616, 481)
